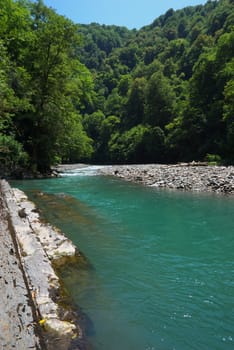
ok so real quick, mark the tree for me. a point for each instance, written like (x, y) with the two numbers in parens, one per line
(228, 115)
(15, 24)
(186, 140)
(136, 103)
(60, 88)
(153, 143)
(211, 77)
(139, 144)
(114, 104)
(161, 93)
(108, 127)
(128, 56)
(75, 145)
(159, 100)
(13, 158)
(127, 147)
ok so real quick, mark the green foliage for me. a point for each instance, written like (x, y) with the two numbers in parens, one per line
(175, 76)
(186, 136)
(159, 100)
(108, 127)
(126, 147)
(153, 143)
(164, 93)
(44, 87)
(139, 144)
(136, 103)
(75, 145)
(213, 159)
(13, 159)
(99, 42)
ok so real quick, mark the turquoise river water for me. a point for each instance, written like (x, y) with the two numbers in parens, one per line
(161, 263)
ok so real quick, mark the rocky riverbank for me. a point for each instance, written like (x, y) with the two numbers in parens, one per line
(32, 313)
(188, 176)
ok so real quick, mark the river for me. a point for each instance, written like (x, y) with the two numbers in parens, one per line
(160, 272)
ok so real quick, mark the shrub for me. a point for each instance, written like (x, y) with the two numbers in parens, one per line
(213, 159)
(12, 156)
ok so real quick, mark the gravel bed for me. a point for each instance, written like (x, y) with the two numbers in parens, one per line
(192, 177)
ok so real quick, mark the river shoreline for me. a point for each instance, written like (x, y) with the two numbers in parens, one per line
(29, 284)
(194, 177)
(32, 244)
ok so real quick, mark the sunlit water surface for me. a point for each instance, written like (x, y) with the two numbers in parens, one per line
(161, 274)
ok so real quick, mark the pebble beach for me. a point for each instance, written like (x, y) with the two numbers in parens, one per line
(187, 176)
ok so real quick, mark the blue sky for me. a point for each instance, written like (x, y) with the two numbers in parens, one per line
(129, 13)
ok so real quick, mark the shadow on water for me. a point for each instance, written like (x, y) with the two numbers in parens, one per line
(76, 272)
(61, 205)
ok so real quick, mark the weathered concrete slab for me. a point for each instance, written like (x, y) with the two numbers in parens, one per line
(38, 245)
(17, 322)
(54, 242)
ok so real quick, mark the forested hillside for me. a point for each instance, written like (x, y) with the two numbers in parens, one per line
(106, 94)
(43, 88)
(165, 92)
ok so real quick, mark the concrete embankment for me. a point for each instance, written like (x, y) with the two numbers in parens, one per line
(32, 316)
(188, 176)
(18, 328)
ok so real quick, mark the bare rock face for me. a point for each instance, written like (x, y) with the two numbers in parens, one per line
(39, 246)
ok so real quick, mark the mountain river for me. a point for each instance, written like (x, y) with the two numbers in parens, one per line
(160, 263)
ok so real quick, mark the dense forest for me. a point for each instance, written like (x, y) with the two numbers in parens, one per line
(107, 94)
